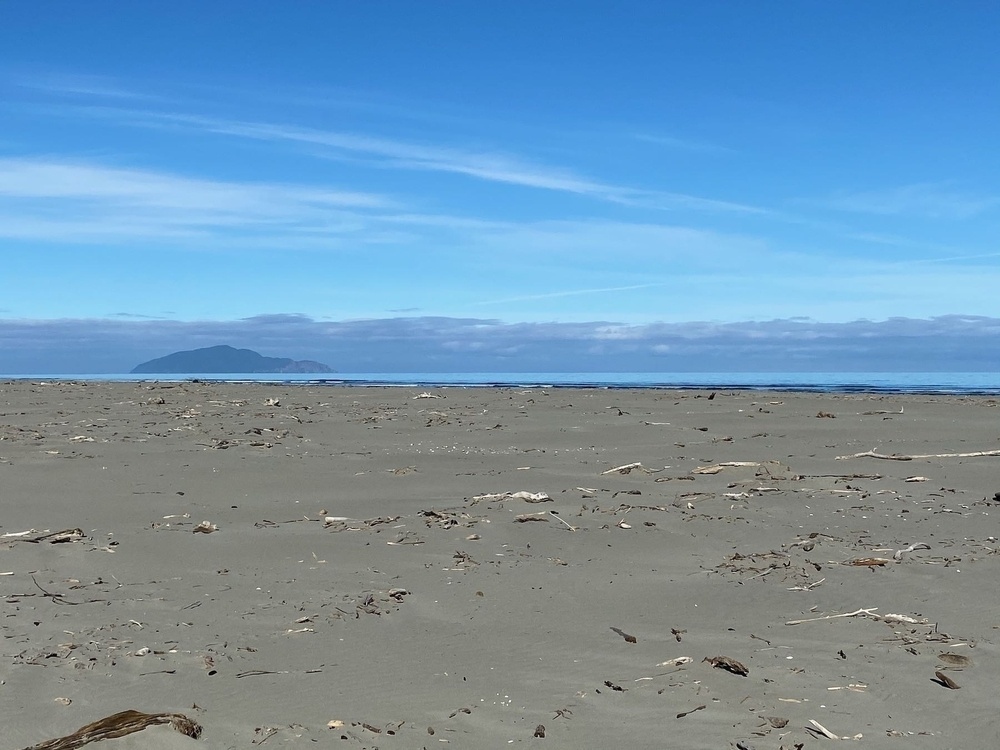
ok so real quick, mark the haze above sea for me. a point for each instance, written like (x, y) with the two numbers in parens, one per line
(957, 383)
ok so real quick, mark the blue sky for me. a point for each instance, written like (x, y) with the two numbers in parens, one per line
(169, 169)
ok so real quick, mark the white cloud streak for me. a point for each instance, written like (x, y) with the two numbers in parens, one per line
(482, 164)
(38, 178)
(79, 202)
(52, 199)
(928, 200)
(80, 85)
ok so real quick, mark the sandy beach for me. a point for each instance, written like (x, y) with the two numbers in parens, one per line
(483, 568)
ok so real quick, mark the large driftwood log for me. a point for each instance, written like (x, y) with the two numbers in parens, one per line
(119, 725)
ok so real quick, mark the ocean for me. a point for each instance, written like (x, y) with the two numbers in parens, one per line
(954, 383)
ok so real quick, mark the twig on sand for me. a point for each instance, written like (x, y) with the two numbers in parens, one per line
(265, 733)
(259, 672)
(57, 537)
(817, 728)
(807, 586)
(58, 598)
(716, 468)
(864, 612)
(874, 454)
(682, 714)
(898, 555)
(407, 537)
(627, 468)
(556, 516)
(629, 638)
(528, 497)
(119, 725)
(870, 562)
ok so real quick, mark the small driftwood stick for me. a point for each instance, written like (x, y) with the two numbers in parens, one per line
(629, 638)
(818, 729)
(946, 681)
(898, 555)
(682, 714)
(873, 454)
(556, 516)
(862, 612)
(55, 537)
(730, 665)
(627, 468)
(119, 725)
(716, 468)
(869, 612)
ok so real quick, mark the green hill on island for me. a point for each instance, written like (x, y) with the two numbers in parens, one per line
(226, 359)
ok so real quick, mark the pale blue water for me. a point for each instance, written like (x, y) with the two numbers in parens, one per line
(835, 382)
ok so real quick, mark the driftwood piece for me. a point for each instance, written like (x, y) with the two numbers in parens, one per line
(58, 537)
(898, 555)
(945, 681)
(730, 665)
(567, 524)
(531, 497)
(716, 468)
(629, 638)
(677, 661)
(525, 517)
(874, 454)
(865, 612)
(682, 714)
(528, 497)
(856, 613)
(818, 729)
(627, 469)
(119, 725)
(870, 562)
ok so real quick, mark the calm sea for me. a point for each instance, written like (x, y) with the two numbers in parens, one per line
(962, 383)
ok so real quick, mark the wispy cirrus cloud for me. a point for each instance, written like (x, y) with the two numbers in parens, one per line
(84, 202)
(58, 178)
(79, 85)
(955, 253)
(60, 199)
(484, 164)
(926, 199)
(71, 92)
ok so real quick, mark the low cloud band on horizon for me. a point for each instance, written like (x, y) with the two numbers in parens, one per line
(442, 344)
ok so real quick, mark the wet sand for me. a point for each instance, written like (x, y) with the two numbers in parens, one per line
(369, 564)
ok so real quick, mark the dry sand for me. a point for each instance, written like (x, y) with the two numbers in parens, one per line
(430, 616)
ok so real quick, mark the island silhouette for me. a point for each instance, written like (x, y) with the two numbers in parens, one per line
(226, 359)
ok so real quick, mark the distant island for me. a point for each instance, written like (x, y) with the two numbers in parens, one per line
(226, 359)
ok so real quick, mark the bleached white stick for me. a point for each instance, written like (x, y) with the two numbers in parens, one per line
(868, 611)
